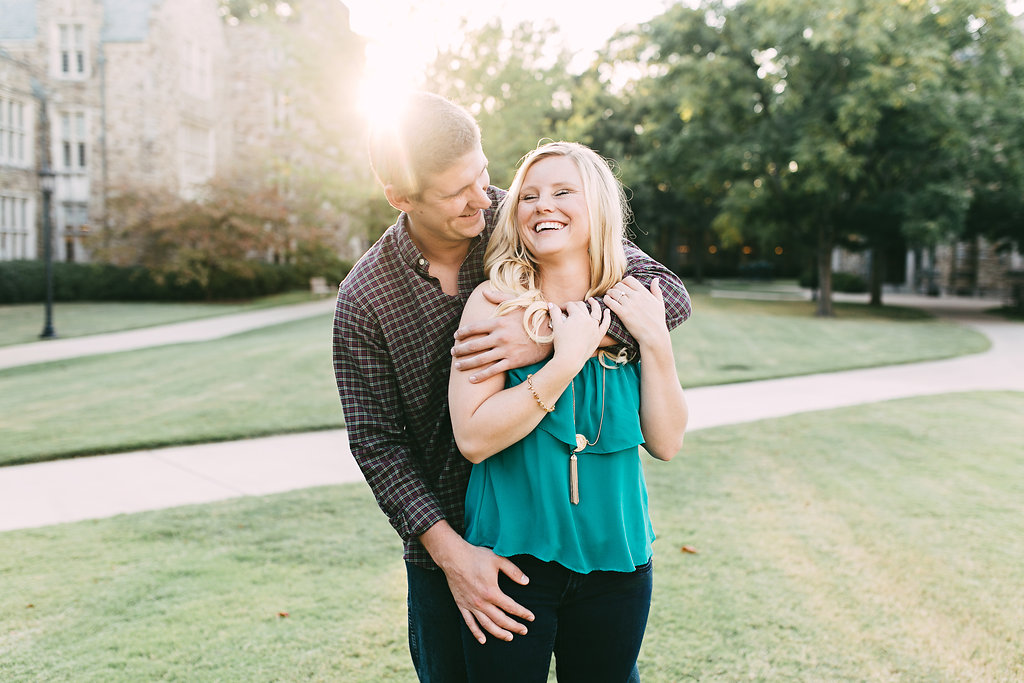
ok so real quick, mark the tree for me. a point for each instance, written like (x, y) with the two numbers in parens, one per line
(511, 82)
(990, 65)
(235, 223)
(827, 120)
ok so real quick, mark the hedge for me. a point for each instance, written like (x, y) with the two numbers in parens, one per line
(25, 282)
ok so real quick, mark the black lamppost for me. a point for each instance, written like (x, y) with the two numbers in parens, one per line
(46, 183)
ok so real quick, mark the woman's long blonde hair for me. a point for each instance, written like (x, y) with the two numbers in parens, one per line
(512, 268)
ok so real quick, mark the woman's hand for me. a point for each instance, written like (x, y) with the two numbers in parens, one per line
(642, 311)
(579, 331)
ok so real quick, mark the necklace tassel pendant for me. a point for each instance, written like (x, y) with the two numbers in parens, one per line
(574, 483)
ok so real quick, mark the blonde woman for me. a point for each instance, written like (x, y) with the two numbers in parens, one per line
(557, 484)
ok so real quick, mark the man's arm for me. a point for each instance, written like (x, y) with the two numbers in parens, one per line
(500, 344)
(371, 402)
(645, 269)
(497, 344)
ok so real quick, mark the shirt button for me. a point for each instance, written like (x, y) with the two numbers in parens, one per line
(423, 262)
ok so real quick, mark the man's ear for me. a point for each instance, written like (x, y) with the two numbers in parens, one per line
(397, 198)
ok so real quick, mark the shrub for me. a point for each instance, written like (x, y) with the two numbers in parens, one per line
(25, 282)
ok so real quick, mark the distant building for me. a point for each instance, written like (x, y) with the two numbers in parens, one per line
(975, 267)
(162, 93)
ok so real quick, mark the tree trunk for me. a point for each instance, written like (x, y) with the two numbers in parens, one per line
(824, 309)
(697, 251)
(877, 275)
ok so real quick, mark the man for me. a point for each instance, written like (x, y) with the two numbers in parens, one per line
(396, 315)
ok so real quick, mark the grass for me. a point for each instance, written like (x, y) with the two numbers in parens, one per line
(737, 340)
(22, 323)
(269, 381)
(279, 379)
(877, 543)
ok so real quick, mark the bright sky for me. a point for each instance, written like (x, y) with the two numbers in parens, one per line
(405, 35)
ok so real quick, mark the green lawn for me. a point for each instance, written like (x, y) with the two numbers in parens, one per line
(268, 381)
(737, 340)
(279, 379)
(22, 323)
(877, 543)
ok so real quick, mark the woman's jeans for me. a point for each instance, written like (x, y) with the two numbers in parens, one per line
(593, 623)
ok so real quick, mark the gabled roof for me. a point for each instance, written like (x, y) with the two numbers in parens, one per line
(19, 19)
(126, 21)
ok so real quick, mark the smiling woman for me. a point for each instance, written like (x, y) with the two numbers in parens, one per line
(553, 211)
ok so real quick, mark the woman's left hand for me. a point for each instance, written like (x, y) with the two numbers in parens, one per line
(642, 311)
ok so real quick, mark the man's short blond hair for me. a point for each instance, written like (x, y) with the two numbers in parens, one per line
(427, 136)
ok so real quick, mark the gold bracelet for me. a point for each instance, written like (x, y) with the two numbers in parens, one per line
(529, 383)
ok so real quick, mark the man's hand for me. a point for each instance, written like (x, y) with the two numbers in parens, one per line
(474, 584)
(496, 345)
(472, 574)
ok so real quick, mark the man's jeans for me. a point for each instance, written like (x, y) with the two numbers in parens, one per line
(593, 623)
(435, 631)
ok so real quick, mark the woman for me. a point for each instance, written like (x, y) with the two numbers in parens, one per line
(557, 483)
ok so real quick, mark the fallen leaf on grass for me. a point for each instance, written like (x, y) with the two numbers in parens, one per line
(283, 615)
(688, 549)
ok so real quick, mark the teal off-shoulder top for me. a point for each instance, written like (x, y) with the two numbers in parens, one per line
(518, 500)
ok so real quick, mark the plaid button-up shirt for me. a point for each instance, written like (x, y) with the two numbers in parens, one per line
(393, 332)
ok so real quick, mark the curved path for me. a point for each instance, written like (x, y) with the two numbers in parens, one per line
(204, 329)
(103, 486)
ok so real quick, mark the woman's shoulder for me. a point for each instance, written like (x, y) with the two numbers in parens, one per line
(477, 306)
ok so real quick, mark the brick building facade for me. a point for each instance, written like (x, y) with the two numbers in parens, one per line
(160, 93)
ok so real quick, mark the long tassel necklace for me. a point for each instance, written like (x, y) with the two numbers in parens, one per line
(582, 441)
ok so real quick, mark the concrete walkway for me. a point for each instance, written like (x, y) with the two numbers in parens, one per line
(103, 486)
(161, 335)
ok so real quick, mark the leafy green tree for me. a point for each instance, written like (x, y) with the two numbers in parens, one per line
(513, 84)
(826, 120)
(989, 61)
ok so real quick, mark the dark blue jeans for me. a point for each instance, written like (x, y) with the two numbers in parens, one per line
(593, 623)
(435, 627)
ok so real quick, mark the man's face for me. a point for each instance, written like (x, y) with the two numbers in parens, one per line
(450, 210)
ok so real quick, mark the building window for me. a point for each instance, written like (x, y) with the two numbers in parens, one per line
(195, 69)
(73, 146)
(13, 149)
(74, 222)
(14, 229)
(71, 58)
(196, 154)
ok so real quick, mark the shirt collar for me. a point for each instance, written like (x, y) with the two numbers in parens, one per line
(407, 249)
(410, 253)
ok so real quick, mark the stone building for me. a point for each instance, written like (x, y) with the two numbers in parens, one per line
(159, 93)
(976, 267)
(19, 187)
